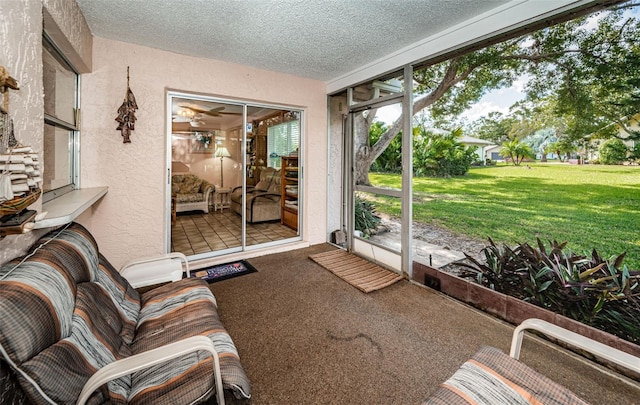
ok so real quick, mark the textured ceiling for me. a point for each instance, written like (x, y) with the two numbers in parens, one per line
(321, 39)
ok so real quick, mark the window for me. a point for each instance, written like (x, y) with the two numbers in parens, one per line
(60, 149)
(282, 140)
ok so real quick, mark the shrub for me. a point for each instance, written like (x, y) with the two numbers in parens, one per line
(365, 218)
(439, 155)
(434, 155)
(612, 152)
(516, 151)
(598, 292)
(635, 153)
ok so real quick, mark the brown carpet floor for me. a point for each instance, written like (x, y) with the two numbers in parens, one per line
(307, 337)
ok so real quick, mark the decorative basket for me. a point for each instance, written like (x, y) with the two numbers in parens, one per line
(17, 204)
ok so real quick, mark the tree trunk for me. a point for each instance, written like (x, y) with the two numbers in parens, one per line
(365, 154)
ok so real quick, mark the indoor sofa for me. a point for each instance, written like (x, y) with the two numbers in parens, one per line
(263, 199)
(191, 193)
(73, 330)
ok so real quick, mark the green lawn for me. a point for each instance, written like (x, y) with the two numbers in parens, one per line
(589, 206)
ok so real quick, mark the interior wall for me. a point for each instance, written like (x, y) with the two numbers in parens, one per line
(200, 164)
(205, 165)
(21, 44)
(131, 219)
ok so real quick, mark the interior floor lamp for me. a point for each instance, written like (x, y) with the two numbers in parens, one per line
(222, 153)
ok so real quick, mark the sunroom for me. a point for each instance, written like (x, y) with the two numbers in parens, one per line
(235, 101)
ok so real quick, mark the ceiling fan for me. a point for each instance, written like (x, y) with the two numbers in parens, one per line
(190, 118)
(214, 112)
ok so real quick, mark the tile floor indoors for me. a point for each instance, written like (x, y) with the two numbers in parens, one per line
(196, 232)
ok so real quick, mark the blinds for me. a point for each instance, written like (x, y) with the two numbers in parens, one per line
(282, 140)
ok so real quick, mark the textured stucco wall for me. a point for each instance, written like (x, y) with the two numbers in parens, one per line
(130, 221)
(21, 24)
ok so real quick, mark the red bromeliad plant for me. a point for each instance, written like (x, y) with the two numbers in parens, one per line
(599, 292)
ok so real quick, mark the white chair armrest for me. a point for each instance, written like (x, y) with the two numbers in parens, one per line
(172, 255)
(150, 358)
(601, 350)
(154, 270)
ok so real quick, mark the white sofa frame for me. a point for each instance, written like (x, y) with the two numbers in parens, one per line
(150, 358)
(196, 205)
(600, 350)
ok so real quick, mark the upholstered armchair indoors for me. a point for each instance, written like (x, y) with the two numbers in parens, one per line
(263, 199)
(191, 192)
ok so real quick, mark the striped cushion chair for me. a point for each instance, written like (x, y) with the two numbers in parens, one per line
(492, 377)
(71, 328)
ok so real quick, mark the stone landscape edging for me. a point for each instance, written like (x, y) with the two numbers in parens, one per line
(511, 309)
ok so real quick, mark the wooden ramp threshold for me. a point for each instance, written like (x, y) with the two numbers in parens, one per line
(358, 272)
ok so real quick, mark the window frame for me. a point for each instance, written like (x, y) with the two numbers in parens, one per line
(72, 127)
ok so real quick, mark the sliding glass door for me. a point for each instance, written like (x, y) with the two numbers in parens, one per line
(230, 182)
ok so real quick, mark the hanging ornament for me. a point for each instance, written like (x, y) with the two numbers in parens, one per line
(126, 114)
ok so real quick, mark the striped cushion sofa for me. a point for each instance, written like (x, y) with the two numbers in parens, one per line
(72, 329)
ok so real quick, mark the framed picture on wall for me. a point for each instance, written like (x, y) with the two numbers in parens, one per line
(203, 142)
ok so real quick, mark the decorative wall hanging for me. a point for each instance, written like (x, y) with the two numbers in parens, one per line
(203, 142)
(126, 114)
(20, 176)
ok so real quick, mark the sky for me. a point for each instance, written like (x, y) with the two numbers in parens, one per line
(496, 100)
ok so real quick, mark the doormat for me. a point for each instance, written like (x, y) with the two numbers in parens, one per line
(358, 272)
(225, 271)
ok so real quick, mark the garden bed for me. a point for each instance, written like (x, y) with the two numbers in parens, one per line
(511, 309)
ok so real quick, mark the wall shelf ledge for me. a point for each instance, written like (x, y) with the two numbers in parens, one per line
(68, 207)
